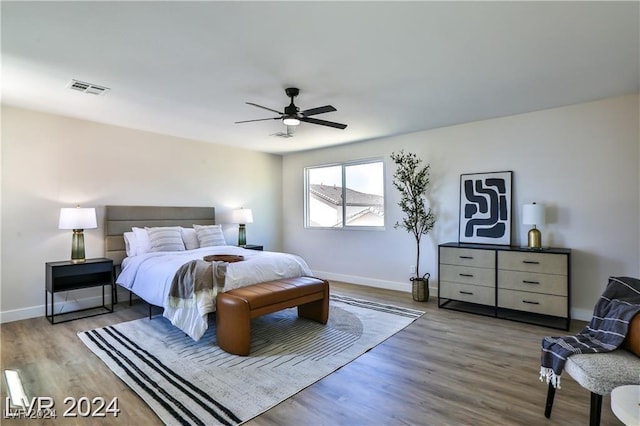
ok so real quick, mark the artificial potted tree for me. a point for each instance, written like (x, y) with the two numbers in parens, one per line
(411, 178)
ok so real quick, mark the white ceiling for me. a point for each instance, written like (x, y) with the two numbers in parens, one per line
(187, 68)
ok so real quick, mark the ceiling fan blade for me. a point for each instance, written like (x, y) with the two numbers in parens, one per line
(263, 107)
(319, 110)
(323, 122)
(259, 119)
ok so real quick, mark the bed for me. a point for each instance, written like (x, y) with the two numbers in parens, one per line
(150, 273)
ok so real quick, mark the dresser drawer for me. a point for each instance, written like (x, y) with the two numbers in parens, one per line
(468, 275)
(533, 302)
(468, 257)
(533, 282)
(468, 293)
(547, 263)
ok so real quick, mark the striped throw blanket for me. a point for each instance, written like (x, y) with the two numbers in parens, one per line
(193, 295)
(606, 331)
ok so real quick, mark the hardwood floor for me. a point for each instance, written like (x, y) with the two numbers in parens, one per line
(447, 368)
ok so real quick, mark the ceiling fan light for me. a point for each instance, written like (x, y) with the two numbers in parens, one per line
(290, 121)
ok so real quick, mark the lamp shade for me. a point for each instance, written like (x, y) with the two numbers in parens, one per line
(533, 214)
(241, 216)
(77, 218)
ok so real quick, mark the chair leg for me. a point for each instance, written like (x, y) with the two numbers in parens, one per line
(596, 409)
(551, 392)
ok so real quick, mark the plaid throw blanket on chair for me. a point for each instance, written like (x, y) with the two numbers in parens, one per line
(606, 331)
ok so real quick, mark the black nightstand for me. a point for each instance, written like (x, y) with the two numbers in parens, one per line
(253, 247)
(67, 276)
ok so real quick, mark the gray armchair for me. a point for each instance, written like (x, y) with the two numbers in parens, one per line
(600, 373)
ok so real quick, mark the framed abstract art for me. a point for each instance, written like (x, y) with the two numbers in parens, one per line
(485, 208)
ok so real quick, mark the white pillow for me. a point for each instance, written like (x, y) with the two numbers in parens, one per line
(166, 238)
(130, 244)
(189, 238)
(210, 235)
(142, 240)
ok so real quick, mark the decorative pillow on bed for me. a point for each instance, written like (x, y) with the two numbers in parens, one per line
(189, 238)
(168, 238)
(210, 235)
(142, 240)
(130, 244)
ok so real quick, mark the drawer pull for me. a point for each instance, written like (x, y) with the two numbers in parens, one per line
(530, 282)
(466, 257)
(466, 275)
(531, 303)
(531, 262)
(466, 292)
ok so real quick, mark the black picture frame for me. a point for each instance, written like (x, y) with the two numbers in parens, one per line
(485, 208)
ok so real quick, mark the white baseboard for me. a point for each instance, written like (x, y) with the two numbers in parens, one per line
(61, 306)
(370, 282)
(72, 305)
(21, 314)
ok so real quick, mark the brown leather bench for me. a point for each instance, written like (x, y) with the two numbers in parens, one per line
(236, 308)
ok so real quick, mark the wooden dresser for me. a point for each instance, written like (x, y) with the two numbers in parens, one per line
(506, 282)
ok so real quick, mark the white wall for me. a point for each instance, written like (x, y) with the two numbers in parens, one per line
(580, 161)
(50, 162)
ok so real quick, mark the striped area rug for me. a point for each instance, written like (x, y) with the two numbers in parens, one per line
(196, 383)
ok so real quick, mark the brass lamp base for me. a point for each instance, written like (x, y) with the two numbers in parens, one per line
(535, 239)
(77, 246)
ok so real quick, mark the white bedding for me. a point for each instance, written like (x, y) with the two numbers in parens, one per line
(150, 275)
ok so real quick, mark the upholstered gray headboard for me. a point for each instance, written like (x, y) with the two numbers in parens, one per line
(120, 219)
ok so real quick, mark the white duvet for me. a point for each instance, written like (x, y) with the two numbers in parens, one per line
(150, 275)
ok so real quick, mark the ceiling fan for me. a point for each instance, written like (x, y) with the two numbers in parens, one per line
(292, 116)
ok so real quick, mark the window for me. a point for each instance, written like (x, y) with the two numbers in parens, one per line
(360, 183)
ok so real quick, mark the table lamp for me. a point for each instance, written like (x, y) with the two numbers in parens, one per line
(242, 217)
(533, 214)
(78, 219)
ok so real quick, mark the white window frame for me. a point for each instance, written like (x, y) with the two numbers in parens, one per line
(344, 165)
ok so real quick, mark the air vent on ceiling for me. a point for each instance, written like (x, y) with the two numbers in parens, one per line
(91, 89)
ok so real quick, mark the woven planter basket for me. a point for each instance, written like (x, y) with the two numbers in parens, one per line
(420, 290)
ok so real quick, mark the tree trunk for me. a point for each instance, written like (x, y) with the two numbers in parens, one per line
(418, 258)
